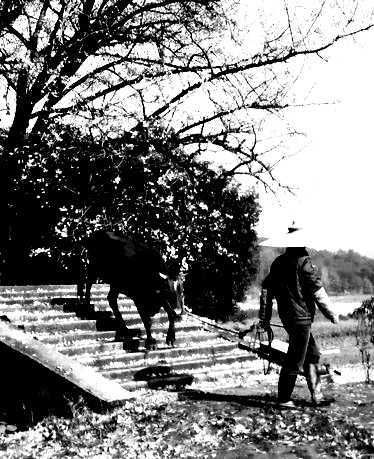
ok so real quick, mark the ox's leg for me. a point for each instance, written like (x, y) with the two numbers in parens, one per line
(90, 276)
(150, 342)
(80, 290)
(122, 327)
(82, 283)
(170, 337)
(112, 300)
(87, 293)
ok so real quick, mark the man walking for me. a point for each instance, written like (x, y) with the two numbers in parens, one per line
(295, 283)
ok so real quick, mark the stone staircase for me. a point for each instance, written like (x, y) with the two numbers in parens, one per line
(52, 315)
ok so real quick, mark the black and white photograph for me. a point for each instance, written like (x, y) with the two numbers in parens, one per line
(186, 232)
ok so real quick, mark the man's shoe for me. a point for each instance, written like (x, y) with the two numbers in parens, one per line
(289, 404)
(322, 401)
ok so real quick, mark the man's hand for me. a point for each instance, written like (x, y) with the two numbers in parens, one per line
(264, 324)
(335, 319)
(242, 333)
(324, 304)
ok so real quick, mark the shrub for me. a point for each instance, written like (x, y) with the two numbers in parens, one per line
(365, 333)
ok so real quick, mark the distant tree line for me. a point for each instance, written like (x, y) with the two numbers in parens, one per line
(342, 272)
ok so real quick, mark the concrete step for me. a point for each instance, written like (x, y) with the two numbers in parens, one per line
(94, 314)
(24, 289)
(130, 359)
(46, 293)
(66, 338)
(49, 313)
(91, 347)
(213, 374)
(101, 300)
(23, 314)
(124, 304)
(68, 325)
(126, 373)
(117, 346)
(102, 324)
(184, 337)
(29, 303)
(9, 308)
(21, 289)
(26, 296)
(20, 317)
(138, 345)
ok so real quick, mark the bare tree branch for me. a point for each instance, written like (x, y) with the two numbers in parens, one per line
(239, 67)
(166, 62)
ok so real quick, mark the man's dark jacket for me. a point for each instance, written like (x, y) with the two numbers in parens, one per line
(293, 280)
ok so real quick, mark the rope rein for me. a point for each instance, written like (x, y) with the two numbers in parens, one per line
(259, 336)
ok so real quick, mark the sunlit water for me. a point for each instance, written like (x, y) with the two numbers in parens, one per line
(342, 305)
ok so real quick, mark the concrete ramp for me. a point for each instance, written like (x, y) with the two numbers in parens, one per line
(39, 375)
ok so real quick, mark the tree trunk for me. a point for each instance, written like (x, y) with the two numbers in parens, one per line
(8, 169)
(17, 132)
(5, 211)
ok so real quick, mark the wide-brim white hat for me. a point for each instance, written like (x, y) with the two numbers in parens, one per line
(294, 237)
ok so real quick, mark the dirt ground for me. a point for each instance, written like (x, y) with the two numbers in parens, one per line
(221, 422)
(353, 404)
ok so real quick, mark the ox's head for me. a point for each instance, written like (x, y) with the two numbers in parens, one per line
(172, 293)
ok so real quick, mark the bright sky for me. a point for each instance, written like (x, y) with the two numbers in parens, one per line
(334, 172)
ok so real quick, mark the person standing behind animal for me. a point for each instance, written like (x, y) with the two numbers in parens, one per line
(295, 283)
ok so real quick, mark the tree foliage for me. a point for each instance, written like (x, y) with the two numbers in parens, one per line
(142, 186)
(365, 333)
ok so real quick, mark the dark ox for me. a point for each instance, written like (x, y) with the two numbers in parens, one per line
(139, 272)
